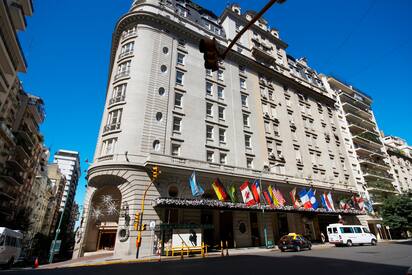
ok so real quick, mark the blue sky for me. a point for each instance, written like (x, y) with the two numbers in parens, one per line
(367, 43)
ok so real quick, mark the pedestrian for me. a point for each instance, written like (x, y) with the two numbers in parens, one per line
(322, 237)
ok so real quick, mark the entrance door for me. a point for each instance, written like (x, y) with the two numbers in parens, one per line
(107, 239)
(254, 226)
(283, 226)
(226, 228)
(208, 233)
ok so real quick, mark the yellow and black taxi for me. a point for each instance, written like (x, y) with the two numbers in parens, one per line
(294, 242)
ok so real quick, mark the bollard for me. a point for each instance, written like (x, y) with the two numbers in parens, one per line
(221, 247)
(36, 262)
(181, 253)
(202, 251)
(227, 249)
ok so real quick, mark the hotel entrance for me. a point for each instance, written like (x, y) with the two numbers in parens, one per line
(106, 240)
(226, 228)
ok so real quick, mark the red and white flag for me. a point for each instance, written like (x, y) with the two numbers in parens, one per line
(247, 194)
(279, 197)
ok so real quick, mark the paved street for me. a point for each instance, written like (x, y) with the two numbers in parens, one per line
(386, 258)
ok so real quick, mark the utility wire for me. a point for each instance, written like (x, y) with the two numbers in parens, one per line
(352, 31)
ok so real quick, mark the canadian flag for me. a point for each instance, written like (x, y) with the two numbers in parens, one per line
(247, 194)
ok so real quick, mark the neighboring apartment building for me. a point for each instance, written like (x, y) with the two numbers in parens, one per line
(12, 61)
(400, 154)
(69, 165)
(263, 115)
(376, 178)
(58, 182)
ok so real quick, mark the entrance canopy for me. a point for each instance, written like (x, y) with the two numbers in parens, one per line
(216, 204)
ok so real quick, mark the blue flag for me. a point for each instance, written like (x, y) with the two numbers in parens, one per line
(196, 189)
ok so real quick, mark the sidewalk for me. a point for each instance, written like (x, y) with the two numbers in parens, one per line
(108, 259)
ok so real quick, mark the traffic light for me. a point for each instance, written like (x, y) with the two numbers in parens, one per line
(155, 172)
(211, 55)
(136, 220)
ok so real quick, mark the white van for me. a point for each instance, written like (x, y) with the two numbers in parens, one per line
(10, 246)
(349, 235)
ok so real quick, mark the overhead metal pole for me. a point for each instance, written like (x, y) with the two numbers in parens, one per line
(251, 22)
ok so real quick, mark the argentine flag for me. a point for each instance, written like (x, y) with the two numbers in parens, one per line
(196, 189)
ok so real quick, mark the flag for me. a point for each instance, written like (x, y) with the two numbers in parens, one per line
(305, 199)
(246, 194)
(256, 190)
(295, 202)
(312, 198)
(279, 197)
(196, 189)
(272, 196)
(232, 193)
(368, 205)
(327, 202)
(330, 201)
(344, 205)
(219, 190)
(268, 198)
(359, 201)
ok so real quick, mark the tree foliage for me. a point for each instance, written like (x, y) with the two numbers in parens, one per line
(397, 212)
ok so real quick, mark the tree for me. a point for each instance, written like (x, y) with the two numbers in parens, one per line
(397, 212)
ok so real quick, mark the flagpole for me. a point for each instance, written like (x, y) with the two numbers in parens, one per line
(265, 234)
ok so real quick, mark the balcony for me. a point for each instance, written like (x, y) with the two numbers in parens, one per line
(12, 177)
(380, 185)
(367, 141)
(7, 193)
(121, 75)
(353, 118)
(362, 113)
(356, 130)
(376, 174)
(263, 54)
(24, 140)
(125, 54)
(129, 34)
(5, 131)
(375, 163)
(366, 151)
(117, 99)
(344, 97)
(111, 127)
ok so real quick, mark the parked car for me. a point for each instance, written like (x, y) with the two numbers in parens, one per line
(409, 272)
(294, 241)
(349, 235)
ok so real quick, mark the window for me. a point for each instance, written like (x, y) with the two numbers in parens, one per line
(249, 162)
(127, 48)
(243, 83)
(247, 140)
(208, 72)
(221, 112)
(209, 109)
(222, 158)
(242, 69)
(118, 93)
(124, 67)
(220, 92)
(180, 59)
(209, 88)
(209, 156)
(181, 11)
(245, 120)
(181, 43)
(346, 230)
(179, 78)
(209, 132)
(298, 155)
(177, 121)
(267, 127)
(108, 146)
(222, 135)
(220, 75)
(175, 149)
(178, 99)
(244, 100)
(357, 230)
(366, 230)
(238, 26)
(113, 120)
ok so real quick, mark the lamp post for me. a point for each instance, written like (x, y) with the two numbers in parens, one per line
(53, 245)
